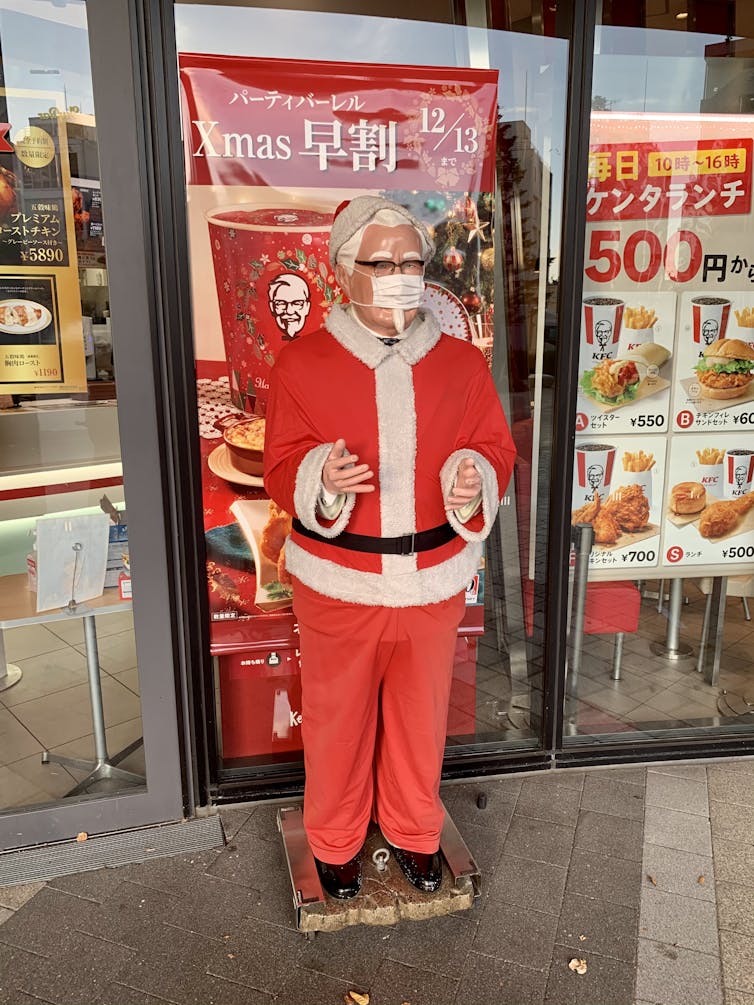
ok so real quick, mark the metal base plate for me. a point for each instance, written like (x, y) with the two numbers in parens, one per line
(12, 675)
(682, 652)
(386, 896)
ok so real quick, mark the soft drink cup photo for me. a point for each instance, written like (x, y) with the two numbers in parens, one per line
(274, 284)
(709, 317)
(602, 326)
(593, 472)
(738, 472)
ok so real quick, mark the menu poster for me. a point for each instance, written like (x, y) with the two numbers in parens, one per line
(41, 338)
(708, 508)
(625, 362)
(272, 147)
(87, 219)
(714, 387)
(618, 489)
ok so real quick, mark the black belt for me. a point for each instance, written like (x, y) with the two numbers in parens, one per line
(408, 544)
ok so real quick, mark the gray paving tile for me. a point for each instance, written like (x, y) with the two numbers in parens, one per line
(15, 965)
(737, 998)
(593, 926)
(571, 778)
(539, 840)
(545, 799)
(536, 885)
(737, 952)
(691, 924)
(615, 880)
(611, 795)
(250, 861)
(440, 945)
(34, 926)
(734, 863)
(677, 793)
(395, 982)
(610, 835)
(681, 769)
(171, 874)
(352, 954)
(501, 794)
(233, 818)
(486, 846)
(676, 976)
(516, 935)
(80, 974)
(119, 994)
(735, 908)
(745, 765)
(731, 785)
(636, 776)
(487, 981)
(213, 907)
(305, 987)
(5, 914)
(262, 823)
(97, 885)
(256, 954)
(678, 872)
(606, 981)
(732, 821)
(672, 829)
(14, 897)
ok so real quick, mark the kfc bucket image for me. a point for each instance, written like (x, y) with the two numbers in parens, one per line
(710, 320)
(602, 326)
(593, 473)
(274, 284)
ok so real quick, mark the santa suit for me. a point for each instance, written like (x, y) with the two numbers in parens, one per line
(378, 631)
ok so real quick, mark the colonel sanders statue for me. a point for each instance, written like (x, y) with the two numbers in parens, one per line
(387, 442)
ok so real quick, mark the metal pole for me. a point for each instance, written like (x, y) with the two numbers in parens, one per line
(671, 647)
(584, 539)
(95, 690)
(10, 674)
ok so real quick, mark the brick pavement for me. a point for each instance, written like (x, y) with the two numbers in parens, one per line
(647, 874)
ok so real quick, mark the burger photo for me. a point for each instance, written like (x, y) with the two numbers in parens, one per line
(612, 382)
(726, 369)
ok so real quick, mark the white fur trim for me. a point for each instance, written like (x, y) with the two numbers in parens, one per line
(417, 587)
(306, 493)
(421, 336)
(396, 425)
(490, 496)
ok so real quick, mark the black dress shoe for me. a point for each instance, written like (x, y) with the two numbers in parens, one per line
(341, 881)
(421, 870)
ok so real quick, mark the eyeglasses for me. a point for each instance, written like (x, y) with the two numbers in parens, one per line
(412, 267)
(286, 306)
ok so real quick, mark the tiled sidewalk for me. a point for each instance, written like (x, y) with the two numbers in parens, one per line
(647, 874)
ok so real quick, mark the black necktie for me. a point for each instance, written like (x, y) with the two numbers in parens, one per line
(389, 341)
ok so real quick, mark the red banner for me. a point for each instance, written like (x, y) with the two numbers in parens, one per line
(254, 121)
(653, 181)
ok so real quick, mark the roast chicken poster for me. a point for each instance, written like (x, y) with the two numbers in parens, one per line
(272, 147)
(41, 337)
(665, 413)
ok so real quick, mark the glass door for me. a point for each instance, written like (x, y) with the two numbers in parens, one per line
(285, 113)
(88, 719)
(663, 498)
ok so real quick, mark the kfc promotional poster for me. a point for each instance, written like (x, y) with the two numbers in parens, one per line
(709, 503)
(667, 339)
(618, 489)
(271, 149)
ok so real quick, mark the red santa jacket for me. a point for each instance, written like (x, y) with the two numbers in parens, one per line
(411, 411)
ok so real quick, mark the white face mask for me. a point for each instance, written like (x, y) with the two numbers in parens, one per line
(403, 292)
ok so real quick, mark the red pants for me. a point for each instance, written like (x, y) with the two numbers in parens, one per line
(375, 689)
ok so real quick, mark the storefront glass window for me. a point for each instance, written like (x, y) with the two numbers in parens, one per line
(285, 114)
(69, 691)
(663, 489)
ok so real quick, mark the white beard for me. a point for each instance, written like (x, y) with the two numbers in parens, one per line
(399, 320)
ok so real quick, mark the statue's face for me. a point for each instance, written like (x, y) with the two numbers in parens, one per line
(391, 244)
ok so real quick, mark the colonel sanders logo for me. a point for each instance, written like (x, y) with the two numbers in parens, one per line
(594, 475)
(603, 333)
(710, 330)
(290, 303)
(740, 475)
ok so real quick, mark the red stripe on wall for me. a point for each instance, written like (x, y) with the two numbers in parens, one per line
(58, 488)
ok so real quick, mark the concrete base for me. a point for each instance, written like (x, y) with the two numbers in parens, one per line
(386, 896)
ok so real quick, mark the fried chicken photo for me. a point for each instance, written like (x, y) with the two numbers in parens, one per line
(722, 517)
(587, 512)
(606, 528)
(629, 507)
(276, 530)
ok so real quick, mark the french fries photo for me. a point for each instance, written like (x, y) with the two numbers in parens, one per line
(745, 317)
(640, 317)
(637, 461)
(710, 455)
